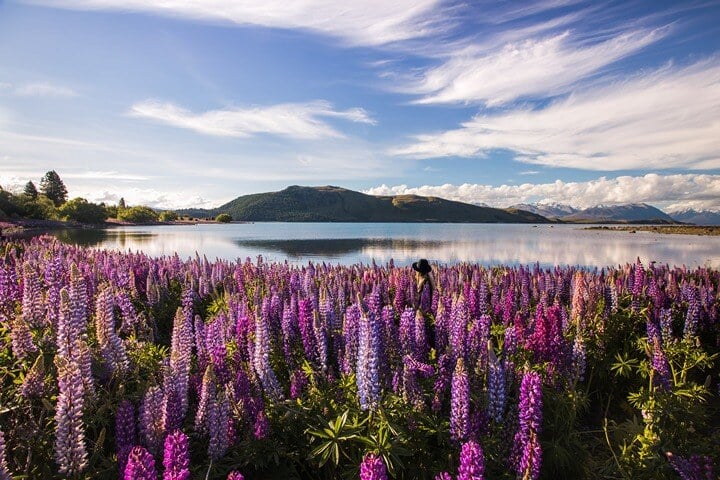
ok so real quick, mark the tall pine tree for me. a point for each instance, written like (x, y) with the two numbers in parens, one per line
(30, 190)
(52, 187)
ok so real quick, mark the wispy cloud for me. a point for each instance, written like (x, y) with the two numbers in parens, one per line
(697, 190)
(362, 22)
(106, 175)
(38, 89)
(545, 66)
(662, 119)
(294, 120)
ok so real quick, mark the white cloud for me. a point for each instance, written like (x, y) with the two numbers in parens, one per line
(43, 89)
(149, 197)
(547, 66)
(294, 120)
(663, 119)
(696, 190)
(362, 22)
(106, 175)
(38, 89)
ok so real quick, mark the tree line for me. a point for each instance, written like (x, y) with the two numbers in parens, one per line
(50, 202)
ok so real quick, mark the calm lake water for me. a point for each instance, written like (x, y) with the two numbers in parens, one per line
(347, 243)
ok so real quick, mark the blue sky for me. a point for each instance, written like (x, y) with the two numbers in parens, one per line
(196, 102)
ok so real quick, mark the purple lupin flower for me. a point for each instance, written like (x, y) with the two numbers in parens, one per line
(180, 352)
(172, 404)
(472, 462)
(34, 383)
(367, 370)
(261, 360)
(111, 347)
(666, 330)
(460, 404)
(526, 448)
(497, 396)
(261, 428)
(152, 428)
(579, 359)
(407, 331)
(351, 326)
(70, 450)
(443, 476)
(661, 367)
(33, 310)
(298, 382)
(373, 468)
(140, 465)
(4, 470)
(176, 457)
(442, 381)
(217, 426)
(305, 322)
(692, 316)
(696, 467)
(208, 391)
(21, 338)
(458, 328)
(125, 437)
(235, 475)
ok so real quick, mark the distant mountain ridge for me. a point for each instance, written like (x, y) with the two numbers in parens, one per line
(697, 217)
(622, 213)
(336, 204)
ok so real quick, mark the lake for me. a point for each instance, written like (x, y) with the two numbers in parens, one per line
(347, 243)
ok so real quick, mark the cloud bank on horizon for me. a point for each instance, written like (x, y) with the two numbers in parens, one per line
(189, 103)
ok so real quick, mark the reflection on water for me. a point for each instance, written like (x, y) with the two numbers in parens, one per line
(487, 244)
(335, 247)
(101, 237)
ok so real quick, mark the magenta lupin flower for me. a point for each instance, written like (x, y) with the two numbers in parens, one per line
(235, 475)
(373, 468)
(176, 457)
(140, 465)
(472, 462)
(526, 446)
(443, 476)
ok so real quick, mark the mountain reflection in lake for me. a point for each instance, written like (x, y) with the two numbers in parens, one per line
(334, 247)
(347, 243)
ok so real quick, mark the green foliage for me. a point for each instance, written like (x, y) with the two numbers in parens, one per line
(138, 214)
(168, 216)
(42, 208)
(111, 211)
(53, 188)
(80, 210)
(223, 218)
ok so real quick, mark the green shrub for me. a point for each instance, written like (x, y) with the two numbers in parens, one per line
(80, 210)
(168, 216)
(138, 214)
(223, 218)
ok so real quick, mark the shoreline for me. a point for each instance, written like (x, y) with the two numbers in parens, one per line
(701, 230)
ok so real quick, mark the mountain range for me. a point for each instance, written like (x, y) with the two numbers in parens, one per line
(336, 204)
